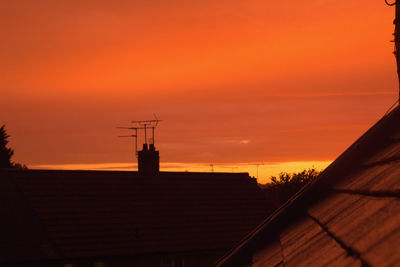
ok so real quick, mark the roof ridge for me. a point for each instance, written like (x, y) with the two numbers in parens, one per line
(305, 191)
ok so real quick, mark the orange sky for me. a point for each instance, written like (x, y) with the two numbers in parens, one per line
(236, 82)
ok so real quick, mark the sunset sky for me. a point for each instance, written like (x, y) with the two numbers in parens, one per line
(290, 84)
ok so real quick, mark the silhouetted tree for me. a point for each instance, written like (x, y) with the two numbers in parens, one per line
(5, 152)
(20, 166)
(281, 188)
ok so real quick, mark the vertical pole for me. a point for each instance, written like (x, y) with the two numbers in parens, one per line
(145, 134)
(152, 128)
(258, 164)
(136, 137)
(397, 41)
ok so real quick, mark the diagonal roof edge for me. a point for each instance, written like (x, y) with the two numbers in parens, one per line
(312, 191)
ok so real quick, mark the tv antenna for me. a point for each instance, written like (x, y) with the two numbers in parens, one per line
(257, 165)
(147, 124)
(132, 135)
(142, 125)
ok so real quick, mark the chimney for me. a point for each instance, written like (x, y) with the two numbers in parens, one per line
(148, 157)
(149, 160)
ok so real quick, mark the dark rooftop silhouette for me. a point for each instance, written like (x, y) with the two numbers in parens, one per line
(65, 215)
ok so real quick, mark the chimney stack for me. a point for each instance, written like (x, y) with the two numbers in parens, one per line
(148, 157)
(148, 160)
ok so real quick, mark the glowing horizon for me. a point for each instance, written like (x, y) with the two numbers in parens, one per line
(265, 170)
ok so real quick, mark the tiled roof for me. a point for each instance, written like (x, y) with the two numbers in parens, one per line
(349, 216)
(100, 213)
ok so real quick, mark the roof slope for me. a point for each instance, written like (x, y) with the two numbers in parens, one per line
(350, 215)
(100, 213)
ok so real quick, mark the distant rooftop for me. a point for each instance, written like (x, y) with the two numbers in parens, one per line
(52, 214)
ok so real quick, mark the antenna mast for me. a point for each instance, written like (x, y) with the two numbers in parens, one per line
(146, 124)
(142, 125)
(258, 164)
(132, 135)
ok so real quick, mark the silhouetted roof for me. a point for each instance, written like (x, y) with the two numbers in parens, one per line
(103, 213)
(350, 215)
